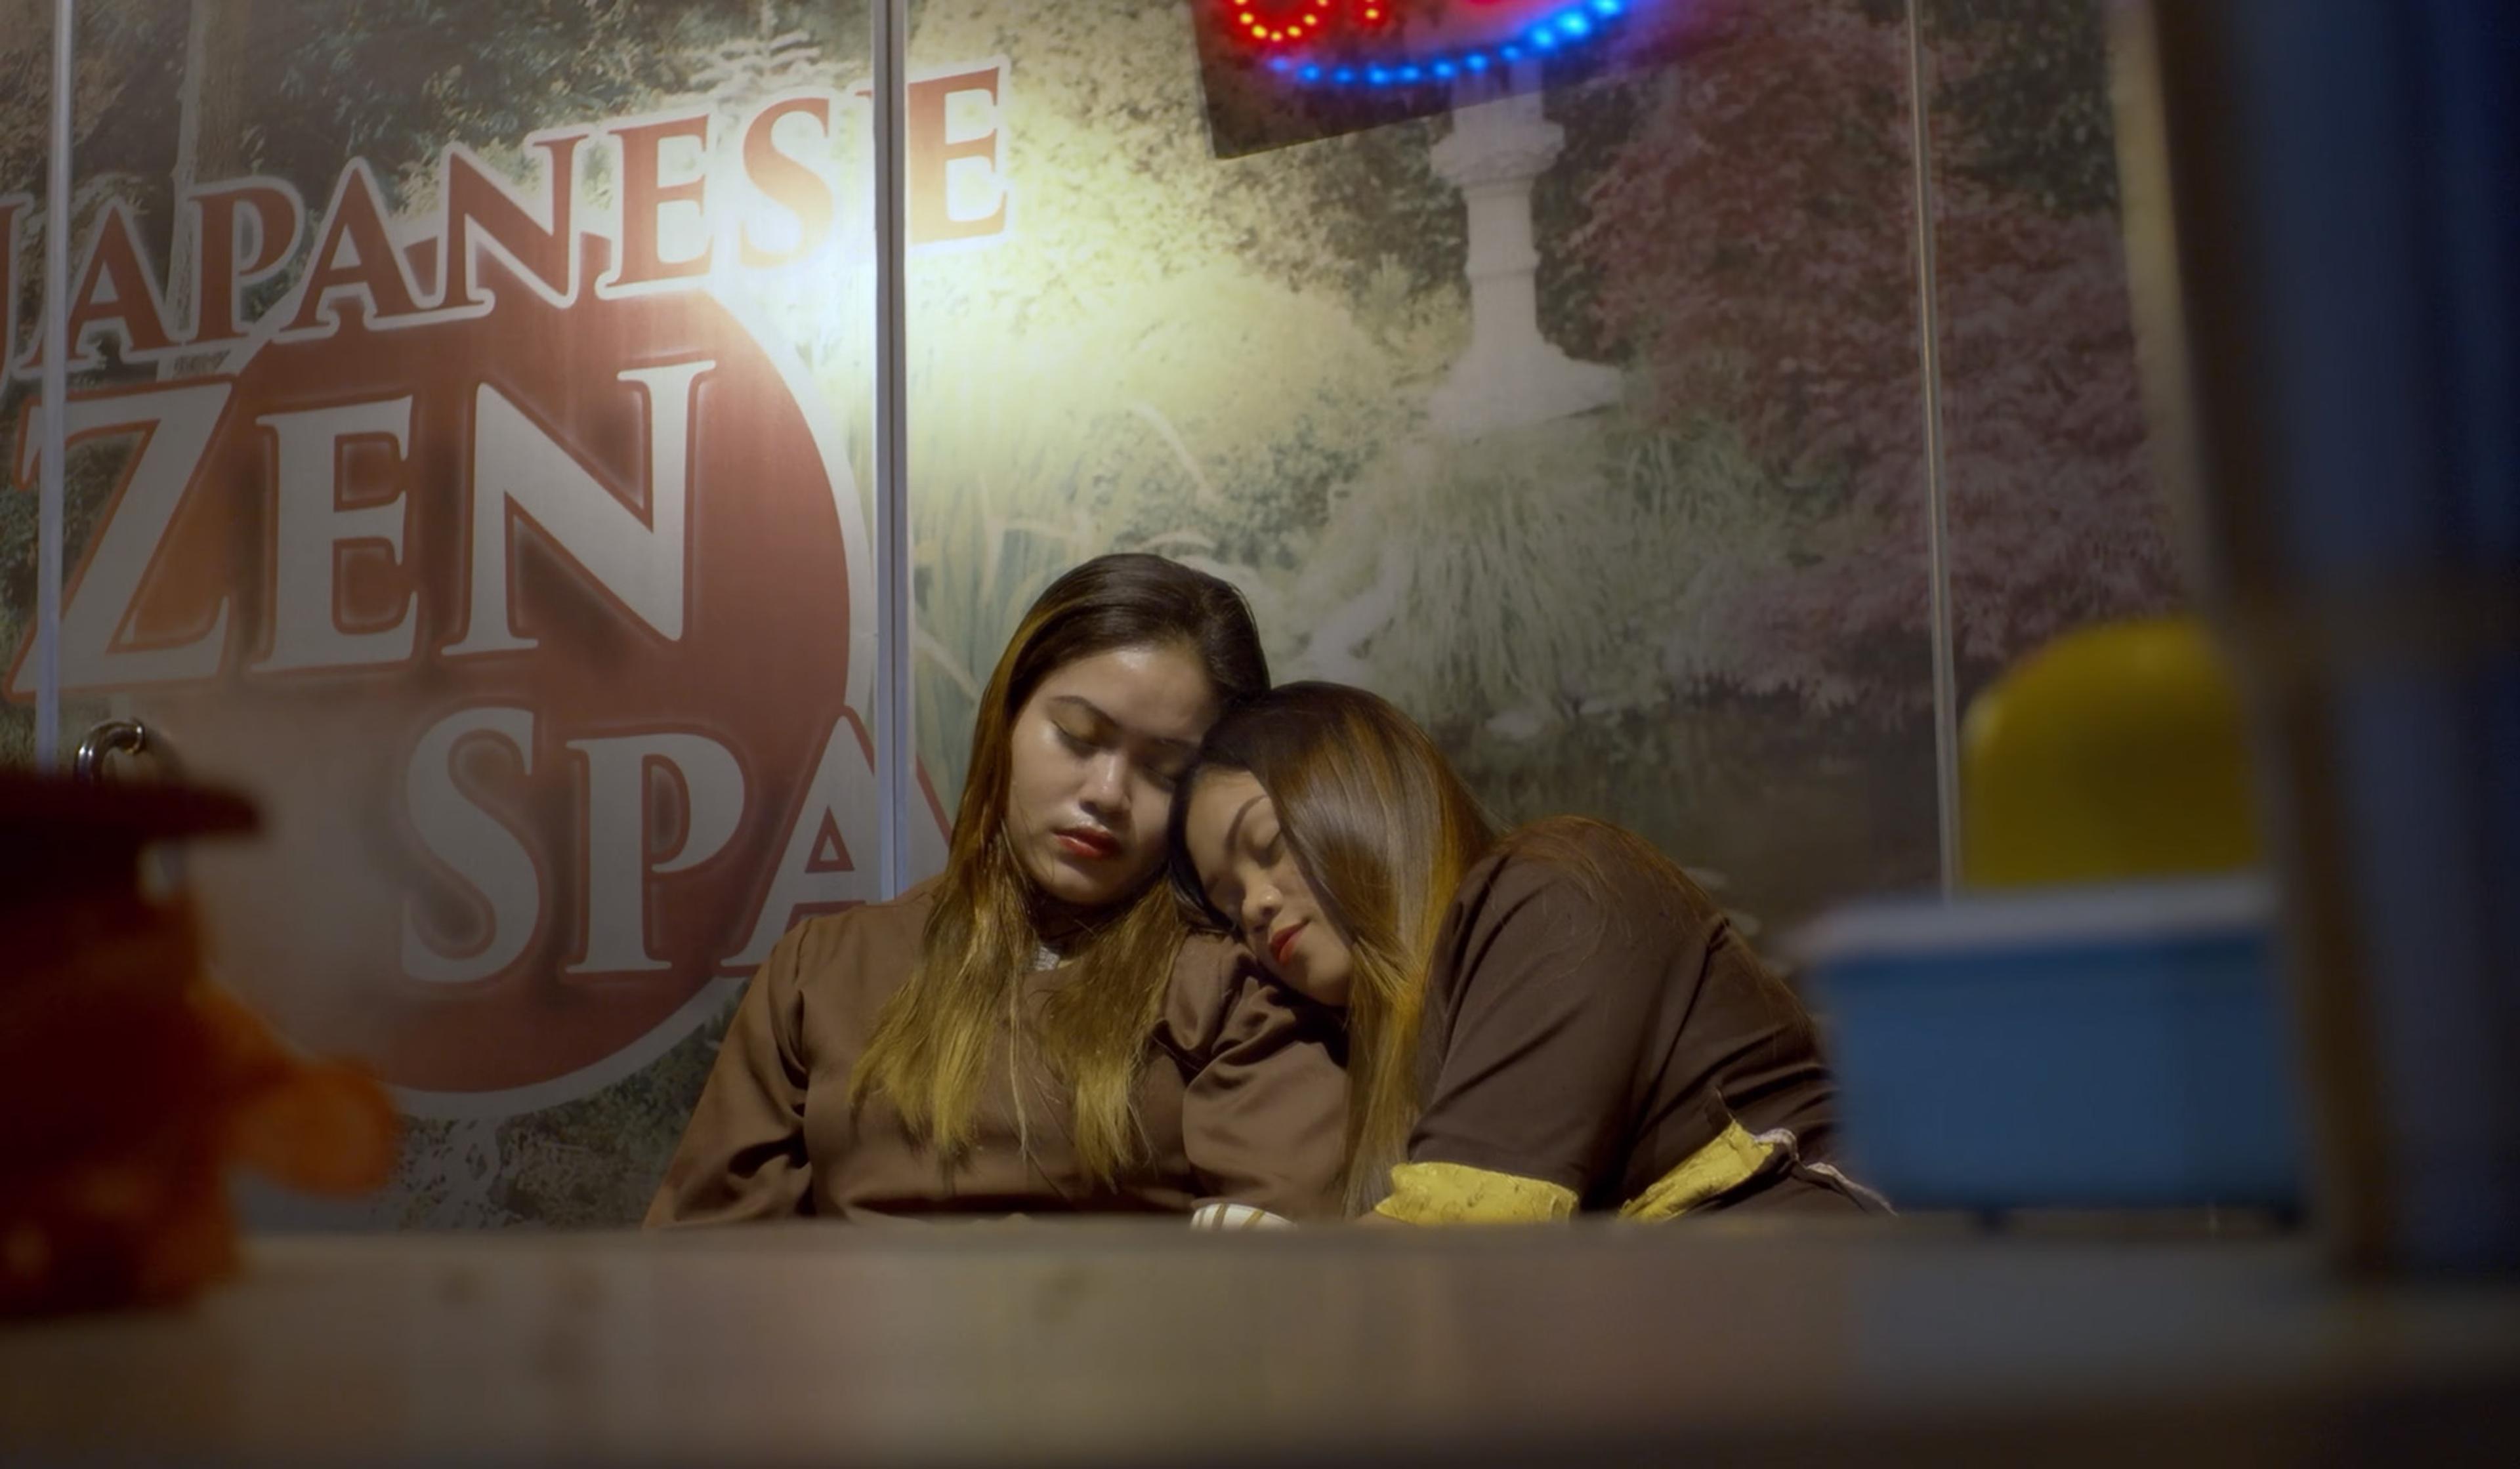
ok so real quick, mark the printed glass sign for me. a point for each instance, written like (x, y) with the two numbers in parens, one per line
(511, 555)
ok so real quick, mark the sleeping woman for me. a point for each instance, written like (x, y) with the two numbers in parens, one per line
(1549, 1021)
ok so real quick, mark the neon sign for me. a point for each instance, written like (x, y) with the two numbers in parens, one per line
(1406, 43)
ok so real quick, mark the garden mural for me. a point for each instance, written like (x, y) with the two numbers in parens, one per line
(471, 420)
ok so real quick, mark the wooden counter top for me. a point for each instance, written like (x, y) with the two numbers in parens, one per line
(1127, 1345)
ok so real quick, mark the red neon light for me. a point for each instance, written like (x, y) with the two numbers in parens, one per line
(1275, 24)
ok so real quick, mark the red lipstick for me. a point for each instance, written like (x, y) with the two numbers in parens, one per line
(1087, 842)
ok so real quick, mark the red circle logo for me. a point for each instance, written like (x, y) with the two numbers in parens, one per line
(532, 634)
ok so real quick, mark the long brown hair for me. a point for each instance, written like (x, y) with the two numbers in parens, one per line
(1383, 831)
(929, 1052)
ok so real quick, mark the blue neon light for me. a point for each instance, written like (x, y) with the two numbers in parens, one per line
(1574, 25)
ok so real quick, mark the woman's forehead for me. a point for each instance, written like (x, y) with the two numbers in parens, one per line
(1155, 691)
(1224, 805)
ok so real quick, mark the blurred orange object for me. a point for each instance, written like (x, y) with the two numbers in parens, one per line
(127, 1081)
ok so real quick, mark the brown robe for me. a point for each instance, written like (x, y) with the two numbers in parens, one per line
(1243, 1098)
(1592, 1028)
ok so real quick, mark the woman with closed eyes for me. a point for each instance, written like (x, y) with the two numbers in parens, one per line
(1036, 1029)
(1542, 1022)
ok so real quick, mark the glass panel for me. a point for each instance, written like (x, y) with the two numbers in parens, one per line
(496, 526)
(1583, 423)
(2056, 517)
(25, 150)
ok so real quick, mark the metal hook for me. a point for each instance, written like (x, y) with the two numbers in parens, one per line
(126, 737)
(129, 736)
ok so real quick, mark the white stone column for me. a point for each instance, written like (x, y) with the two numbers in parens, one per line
(1512, 376)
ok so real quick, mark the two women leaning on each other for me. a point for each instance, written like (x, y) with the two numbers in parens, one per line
(1549, 1021)
(1036, 1029)
(1553, 1021)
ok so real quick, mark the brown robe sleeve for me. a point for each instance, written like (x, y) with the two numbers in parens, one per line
(1538, 1015)
(743, 1154)
(1264, 1116)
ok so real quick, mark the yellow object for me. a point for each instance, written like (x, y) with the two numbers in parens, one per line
(1456, 1193)
(1732, 1160)
(2113, 752)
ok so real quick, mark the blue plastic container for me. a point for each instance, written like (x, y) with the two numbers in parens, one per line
(2119, 1046)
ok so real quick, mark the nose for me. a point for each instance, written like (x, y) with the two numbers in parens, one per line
(1259, 911)
(1106, 789)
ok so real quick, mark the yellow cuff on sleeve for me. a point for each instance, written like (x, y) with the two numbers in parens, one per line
(1456, 1193)
(1732, 1160)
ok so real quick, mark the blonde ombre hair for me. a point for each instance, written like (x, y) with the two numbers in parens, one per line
(1383, 831)
(928, 1056)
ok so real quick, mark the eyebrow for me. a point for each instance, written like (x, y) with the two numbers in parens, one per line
(1079, 702)
(1233, 834)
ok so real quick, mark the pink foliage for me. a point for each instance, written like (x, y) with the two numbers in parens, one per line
(2056, 517)
(1756, 244)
